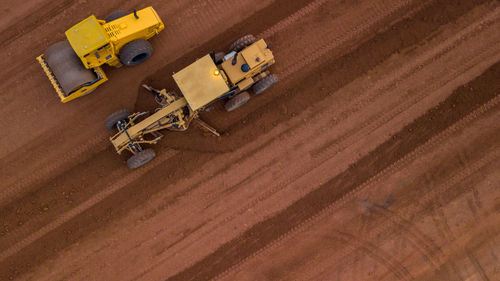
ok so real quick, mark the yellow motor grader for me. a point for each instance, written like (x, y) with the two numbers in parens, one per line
(73, 66)
(213, 77)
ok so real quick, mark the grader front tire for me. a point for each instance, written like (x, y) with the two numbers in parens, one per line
(219, 57)
(116, 117)
(141, 158)
(237, 101)
(242, 43)
(264, 84)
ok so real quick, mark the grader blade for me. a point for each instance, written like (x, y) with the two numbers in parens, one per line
(206, 127)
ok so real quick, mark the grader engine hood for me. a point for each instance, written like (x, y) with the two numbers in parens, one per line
(254, 57)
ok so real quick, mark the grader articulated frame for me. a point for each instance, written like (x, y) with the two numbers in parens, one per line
(212, 77)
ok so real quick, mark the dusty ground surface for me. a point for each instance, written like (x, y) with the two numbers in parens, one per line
(376, 157)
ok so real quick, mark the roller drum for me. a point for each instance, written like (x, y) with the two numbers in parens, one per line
(67, 67)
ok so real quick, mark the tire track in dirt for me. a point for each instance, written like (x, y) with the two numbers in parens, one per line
(201, 266)
(420, 241)
(477, 266)
(374, 252)
(406, 71)
(97, 143)
(386, 230)
(37, 17)
(129, 178)
(429, 252)
(380, 11)
(389, 226)
(332, 148)
(291, 19)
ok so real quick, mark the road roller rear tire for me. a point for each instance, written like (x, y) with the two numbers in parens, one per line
(136, 52)
(116, 15)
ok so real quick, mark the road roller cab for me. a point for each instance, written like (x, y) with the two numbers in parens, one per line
(73, 66)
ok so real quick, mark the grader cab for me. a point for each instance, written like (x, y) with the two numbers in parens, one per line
(73, 66)
(216, 76)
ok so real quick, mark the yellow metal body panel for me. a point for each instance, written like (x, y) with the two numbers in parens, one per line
(87, 36)
(128, 28)
(97, 42)
(78, 93)
(256, 56)
(199, 82)
(246, 83)
(120, 140)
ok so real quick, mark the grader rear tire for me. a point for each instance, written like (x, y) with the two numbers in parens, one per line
(67, 67)
(242, 43)
(116, 15)
(115, 117)
(264, 84)
(237, 101)
(136, 52)
(141, 158)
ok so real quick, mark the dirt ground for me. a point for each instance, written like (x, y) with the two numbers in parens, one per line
(376, 156)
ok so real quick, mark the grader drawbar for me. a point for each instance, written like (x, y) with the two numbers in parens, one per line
(73, 66)
(216, 76)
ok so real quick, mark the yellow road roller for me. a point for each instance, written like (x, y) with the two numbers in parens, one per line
(73, 66)
(215, 76)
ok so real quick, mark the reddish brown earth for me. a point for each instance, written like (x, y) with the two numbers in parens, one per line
(376, 157)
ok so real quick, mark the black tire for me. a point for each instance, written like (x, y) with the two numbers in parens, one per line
(219, 57)
(237, 101)
(113, 119)
(242, 43)
(265, 83)
(141, 158)
(116, 15)
(135, 52)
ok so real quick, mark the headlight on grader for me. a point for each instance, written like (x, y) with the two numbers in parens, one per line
(216, 72)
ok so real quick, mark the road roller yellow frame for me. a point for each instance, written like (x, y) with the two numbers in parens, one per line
(97, 42)
(84, 90)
